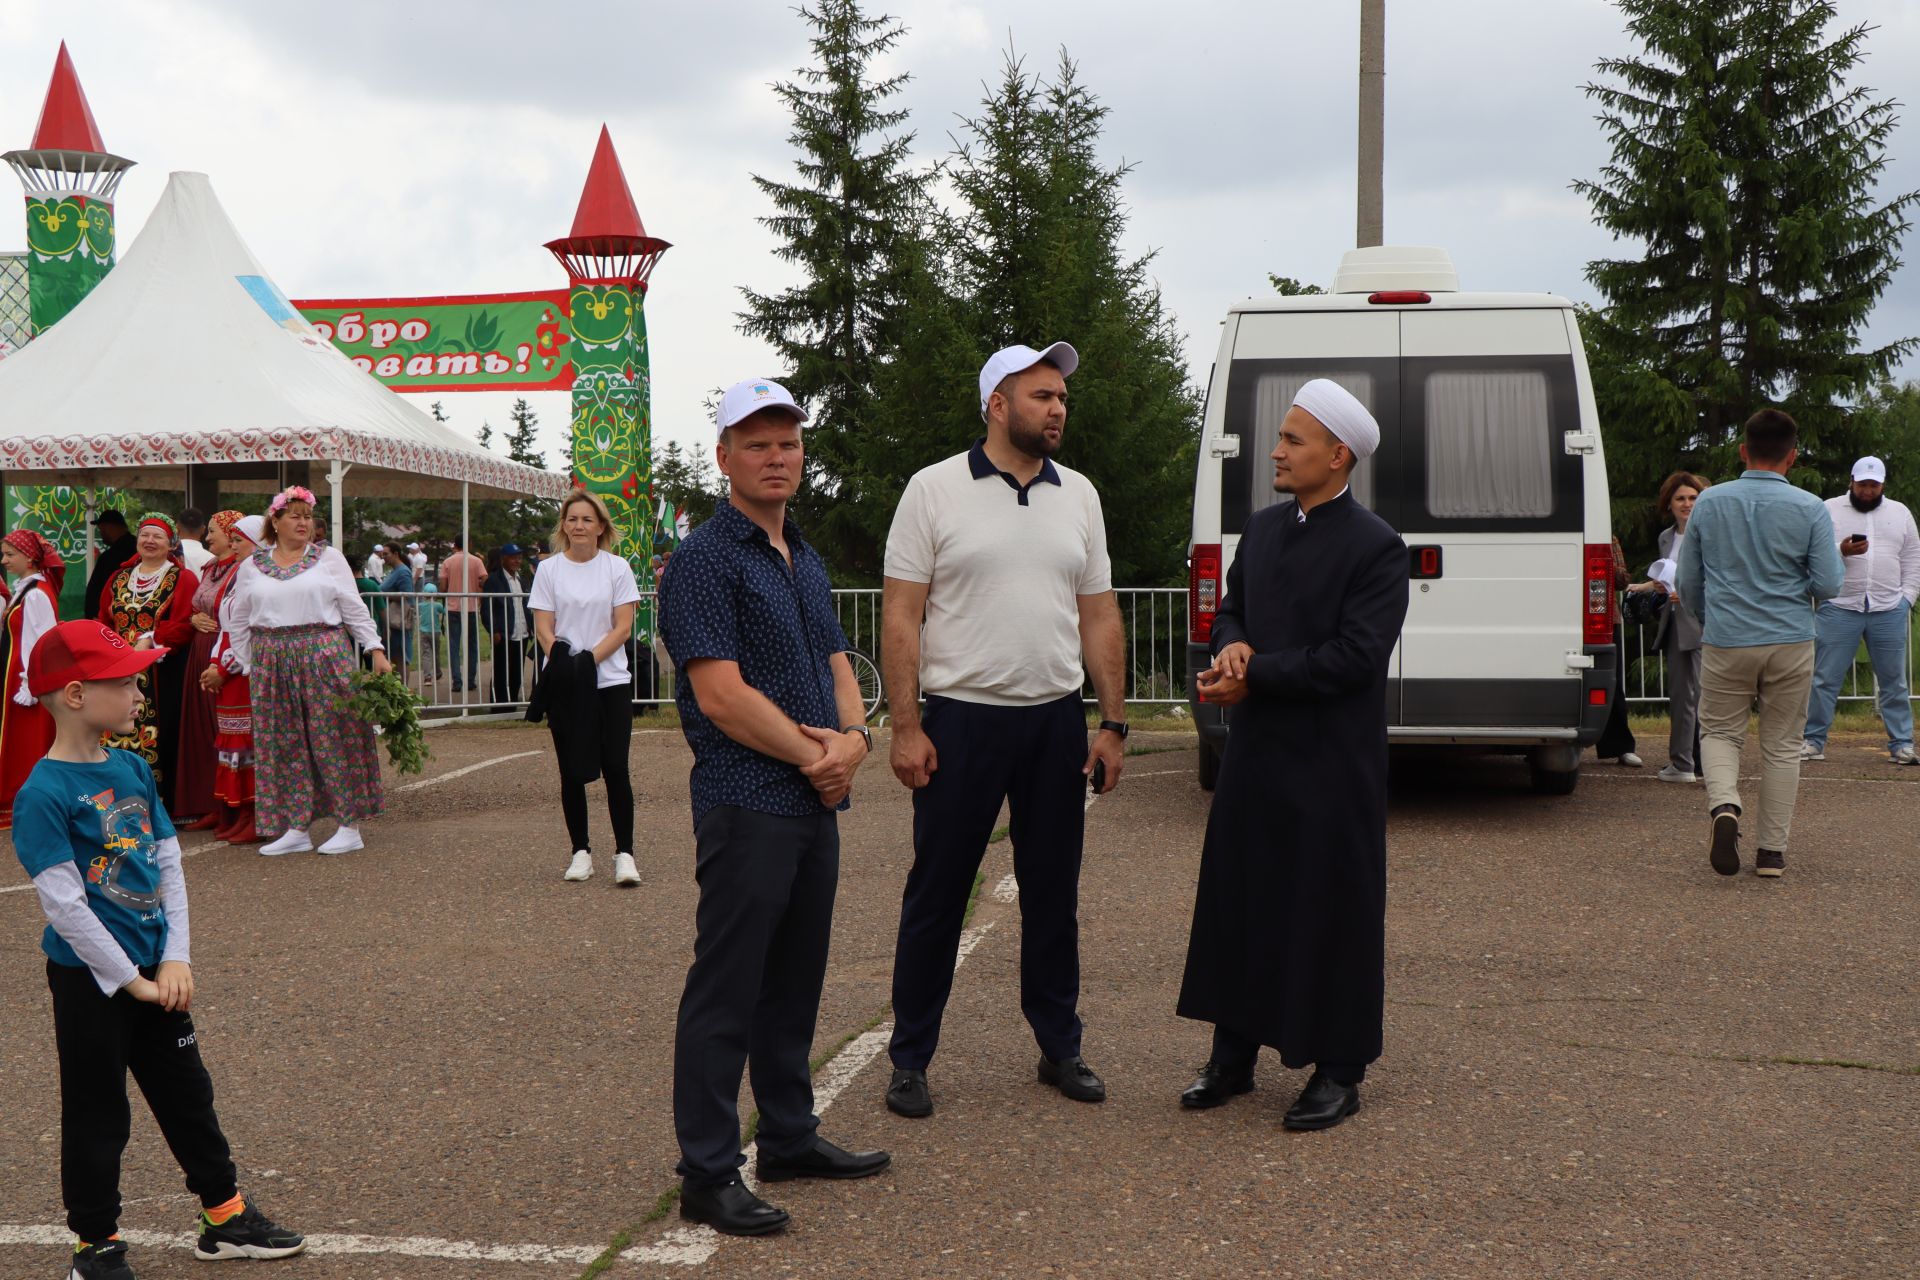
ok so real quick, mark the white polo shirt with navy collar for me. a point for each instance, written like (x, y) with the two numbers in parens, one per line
(1005, 565)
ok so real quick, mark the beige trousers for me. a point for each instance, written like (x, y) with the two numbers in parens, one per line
(1779, 676)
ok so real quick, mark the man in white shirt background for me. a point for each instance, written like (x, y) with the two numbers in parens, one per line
(1881, 550)
(193, 536)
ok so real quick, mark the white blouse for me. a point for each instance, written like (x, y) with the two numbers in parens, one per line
(323, 593)
(38, 621)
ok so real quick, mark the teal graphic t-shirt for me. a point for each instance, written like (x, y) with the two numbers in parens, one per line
(107, 819)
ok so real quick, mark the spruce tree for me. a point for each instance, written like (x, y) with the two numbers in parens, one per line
(1743, 171)
(850, 222)
(530, 519)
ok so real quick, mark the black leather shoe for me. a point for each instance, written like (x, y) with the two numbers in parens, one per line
(1724, 853)
(1322, 1104)
(824, 1161)
(1215, 1085)
(1073, 1077)
(907, 1095)
(732, 1210)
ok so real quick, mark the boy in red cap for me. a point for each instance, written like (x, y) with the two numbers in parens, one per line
(91, 832)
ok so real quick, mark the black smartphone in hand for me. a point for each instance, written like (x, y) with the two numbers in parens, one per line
(1098, 781)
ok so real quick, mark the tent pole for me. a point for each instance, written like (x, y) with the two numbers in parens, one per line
(337, 473)
(92, 501)
(466, 512)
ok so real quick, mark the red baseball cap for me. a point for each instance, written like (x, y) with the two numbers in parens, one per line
(84, 651)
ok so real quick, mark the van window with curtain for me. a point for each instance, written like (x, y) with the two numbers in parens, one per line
(1273, 396)
(1489, 444)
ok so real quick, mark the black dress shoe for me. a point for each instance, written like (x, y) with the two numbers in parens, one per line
(1322, 1104)
(732, 1210)
(1215, 1085)
(907, 1095)
(824, 1160)
(1073, 1077)
(1724, 853)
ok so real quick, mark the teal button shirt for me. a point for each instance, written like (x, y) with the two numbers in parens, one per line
(1759, 554)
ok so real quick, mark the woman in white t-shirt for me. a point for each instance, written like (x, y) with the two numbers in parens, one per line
(583, 600)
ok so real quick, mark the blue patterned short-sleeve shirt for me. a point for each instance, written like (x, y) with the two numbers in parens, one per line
(727, 594)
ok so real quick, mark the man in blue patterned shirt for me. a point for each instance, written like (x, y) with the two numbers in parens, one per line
(772, 711)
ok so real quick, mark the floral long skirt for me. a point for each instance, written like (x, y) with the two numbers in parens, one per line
(233, 742)
(312, 759)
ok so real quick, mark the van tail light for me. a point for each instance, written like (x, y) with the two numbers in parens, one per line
(1203, 591)
(1599, 610)
(1398, 297)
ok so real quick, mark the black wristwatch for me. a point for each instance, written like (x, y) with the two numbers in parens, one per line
(864, 732)
(1115, 726)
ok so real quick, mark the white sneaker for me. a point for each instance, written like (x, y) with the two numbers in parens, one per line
(624, 871)
(1810, 752)
(1631, 760)
(295, 841)
(1904, 756)
(345, 840)
(1671, 774)
(581, 867)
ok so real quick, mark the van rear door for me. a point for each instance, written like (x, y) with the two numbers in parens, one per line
(1274, 354)
(1488, 398)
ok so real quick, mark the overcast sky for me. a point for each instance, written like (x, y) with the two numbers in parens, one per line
(367, 148)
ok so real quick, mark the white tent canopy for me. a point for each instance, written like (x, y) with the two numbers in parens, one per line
(187, 354)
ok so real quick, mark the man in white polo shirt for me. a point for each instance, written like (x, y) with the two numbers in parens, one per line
(1881, 550)
(997, 582)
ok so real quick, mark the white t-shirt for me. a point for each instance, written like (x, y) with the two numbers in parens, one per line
(582, 598)
(1003, 578)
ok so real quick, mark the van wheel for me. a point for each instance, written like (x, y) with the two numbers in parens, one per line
(1550, 776)
(1209, 766)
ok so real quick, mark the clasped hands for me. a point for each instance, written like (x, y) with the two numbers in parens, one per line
(1225, 682)
(841, 755)
(171, 987)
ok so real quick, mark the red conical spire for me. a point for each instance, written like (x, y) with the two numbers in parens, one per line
(606, 203)
(66, 121)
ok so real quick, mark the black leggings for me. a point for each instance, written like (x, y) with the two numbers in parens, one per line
(616, 733)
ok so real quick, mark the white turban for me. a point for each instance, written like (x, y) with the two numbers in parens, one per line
(1339, 411)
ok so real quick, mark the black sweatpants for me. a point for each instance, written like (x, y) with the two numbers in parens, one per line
(616, 735)
(99, 1039)
(1030, 758)
(753, 992)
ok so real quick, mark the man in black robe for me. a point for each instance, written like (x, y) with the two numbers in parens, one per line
(1289, 925)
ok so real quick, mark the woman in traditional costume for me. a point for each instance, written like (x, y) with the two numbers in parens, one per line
(26, 730)
(149, 601)
(294, 616)
(193, 805)
(233, 706)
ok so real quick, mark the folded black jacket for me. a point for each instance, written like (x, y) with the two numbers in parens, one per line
(568, 694)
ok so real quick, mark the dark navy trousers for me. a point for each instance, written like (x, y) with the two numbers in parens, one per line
(1030, 759)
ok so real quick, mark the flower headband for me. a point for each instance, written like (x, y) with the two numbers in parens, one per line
(294, 493)
(159, 520)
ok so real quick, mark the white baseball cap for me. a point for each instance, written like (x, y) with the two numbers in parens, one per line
(379, 547)
(1870, 468)
(1008, 361)
(413, 546)
(744, 399)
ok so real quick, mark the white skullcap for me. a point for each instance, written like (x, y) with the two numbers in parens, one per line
(1665, 572)
(253, 528)
(1339, 411)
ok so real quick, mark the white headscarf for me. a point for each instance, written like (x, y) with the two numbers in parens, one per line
(1339, 411)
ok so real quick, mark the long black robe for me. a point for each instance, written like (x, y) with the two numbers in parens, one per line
(1289, 925)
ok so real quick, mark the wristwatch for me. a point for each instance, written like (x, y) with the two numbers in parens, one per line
(864, 732)
(1115, 726)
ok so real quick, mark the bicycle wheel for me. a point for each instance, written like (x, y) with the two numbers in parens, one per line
(868, 675)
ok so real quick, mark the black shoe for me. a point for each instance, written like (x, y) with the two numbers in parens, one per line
(1217, 1084)
(907, 1095)
(824, 1161)
(247, 1234)
(1322, 1104)
(1073, 1077)
(104, 1261)
(731, 1209)
(1725, 853)
(1770, 864)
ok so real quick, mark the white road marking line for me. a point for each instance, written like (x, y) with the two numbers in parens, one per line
(1748, 777)
(411, 786)
(329, 1243)
(693, 1246)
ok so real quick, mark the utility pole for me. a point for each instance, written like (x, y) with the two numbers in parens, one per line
(1373, 111)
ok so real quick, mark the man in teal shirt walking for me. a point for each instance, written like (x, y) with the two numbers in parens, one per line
(1759, 555)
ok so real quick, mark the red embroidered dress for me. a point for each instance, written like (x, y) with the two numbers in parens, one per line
(164, 608)
(25, 732)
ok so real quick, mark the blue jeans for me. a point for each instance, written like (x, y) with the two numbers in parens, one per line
(1838, 633)
(460, 631)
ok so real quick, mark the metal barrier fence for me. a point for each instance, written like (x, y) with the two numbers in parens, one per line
(423, 631)
(1646, 671)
